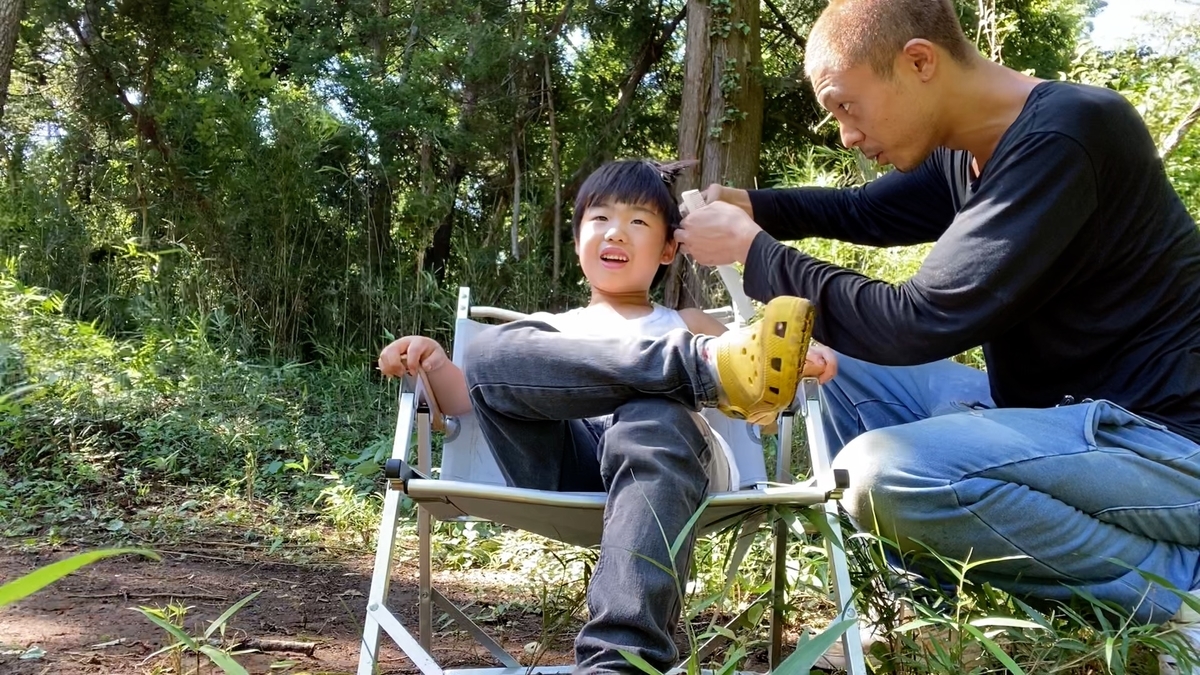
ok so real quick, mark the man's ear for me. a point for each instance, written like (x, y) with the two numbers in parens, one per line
(919, 57)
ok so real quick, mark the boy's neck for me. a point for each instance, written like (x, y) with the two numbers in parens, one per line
(628, 305)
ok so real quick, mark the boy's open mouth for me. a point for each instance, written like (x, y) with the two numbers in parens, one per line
(613, 257)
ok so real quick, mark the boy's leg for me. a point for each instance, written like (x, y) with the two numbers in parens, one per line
(1066, 488)
(527, 370)
(532, 386)
(653, 462)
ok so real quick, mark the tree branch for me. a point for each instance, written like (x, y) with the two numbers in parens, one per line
(1174, 139)
(785, 27)
(143, 122)
(650, 53)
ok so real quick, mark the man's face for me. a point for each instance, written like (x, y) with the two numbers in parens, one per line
(888, 119)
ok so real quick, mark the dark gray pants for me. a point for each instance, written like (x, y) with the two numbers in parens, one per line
(570, 413)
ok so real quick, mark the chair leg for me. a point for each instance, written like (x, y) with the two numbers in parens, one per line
(783, 474)
(464, 622)
(379, 618)
(822, 466)
(843, 593)
(380, 582)
(424, 552)
(778, 599)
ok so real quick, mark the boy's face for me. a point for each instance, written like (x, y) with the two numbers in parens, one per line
(620, 246)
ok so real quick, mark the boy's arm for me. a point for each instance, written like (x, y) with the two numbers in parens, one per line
(450, 389)
(700, 323)
(413, 354)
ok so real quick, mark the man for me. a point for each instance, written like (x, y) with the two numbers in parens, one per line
(1060, 247)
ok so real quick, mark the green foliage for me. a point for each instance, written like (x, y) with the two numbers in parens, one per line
(101, 416)
(964, 625)
(171, 620)
(310, 176)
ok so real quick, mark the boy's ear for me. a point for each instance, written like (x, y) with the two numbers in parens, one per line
(669, 250)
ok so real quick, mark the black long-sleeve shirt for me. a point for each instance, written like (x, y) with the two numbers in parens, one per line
(1071, 259)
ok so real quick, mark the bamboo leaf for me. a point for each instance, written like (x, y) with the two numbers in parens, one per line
(42, 577)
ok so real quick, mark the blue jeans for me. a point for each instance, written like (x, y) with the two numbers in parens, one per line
(934, 464)
(571, 413)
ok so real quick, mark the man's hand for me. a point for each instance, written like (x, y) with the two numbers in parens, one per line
(739, 198)
(820, 363)
(718, 234)
(411, 354)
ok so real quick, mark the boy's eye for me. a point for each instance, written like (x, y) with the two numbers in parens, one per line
(638, 221)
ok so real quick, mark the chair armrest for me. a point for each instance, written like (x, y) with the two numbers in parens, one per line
(482, 312)
(425, 395)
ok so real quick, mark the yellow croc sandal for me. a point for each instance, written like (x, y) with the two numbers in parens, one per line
(759, 366)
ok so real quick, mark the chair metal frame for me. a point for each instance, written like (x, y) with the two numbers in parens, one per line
(453, 500)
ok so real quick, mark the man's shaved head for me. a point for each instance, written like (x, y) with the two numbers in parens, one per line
(854, 32)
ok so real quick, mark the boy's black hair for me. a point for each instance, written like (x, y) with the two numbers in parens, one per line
(633, 181)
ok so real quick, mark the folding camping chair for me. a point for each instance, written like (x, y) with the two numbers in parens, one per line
(471, 486)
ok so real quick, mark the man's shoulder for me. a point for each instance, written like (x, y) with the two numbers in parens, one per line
(1095, 117)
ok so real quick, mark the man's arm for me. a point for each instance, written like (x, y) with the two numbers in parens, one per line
(897, 209)
(990, 270)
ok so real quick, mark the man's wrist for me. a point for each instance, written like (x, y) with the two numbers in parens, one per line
(746, 242)
(739, 198)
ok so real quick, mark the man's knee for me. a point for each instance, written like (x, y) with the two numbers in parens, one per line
(878, 462)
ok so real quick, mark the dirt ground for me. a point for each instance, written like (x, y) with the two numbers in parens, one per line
(85, 623)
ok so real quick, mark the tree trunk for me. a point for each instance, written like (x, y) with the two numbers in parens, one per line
(514, 230)
(721, 114)
(10, 24)
(438, 254)
(381, 256)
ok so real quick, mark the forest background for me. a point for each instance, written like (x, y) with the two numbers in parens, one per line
(214, 213)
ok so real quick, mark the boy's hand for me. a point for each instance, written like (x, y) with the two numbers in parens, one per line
(411, 354)
(820, 363)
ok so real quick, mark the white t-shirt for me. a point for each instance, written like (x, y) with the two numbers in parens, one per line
(603, 322)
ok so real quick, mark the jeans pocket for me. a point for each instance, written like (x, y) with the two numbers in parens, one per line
(1103, 412)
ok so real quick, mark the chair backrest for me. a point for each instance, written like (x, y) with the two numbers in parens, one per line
(466, 456)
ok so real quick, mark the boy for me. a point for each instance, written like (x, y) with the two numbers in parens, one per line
(604, 398)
